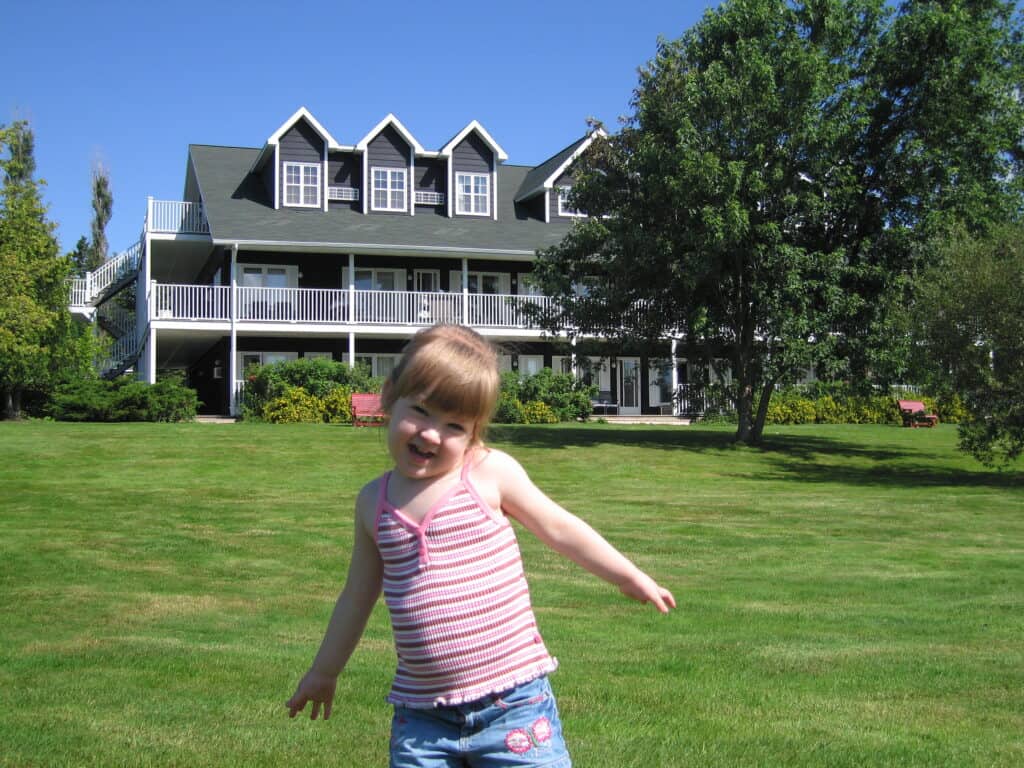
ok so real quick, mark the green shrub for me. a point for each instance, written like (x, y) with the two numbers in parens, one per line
(537, 412)
(124, 399)
(951, 409)
(317, 376)
(337, 406)
(788, 406)
(294, 406)
(509, 410)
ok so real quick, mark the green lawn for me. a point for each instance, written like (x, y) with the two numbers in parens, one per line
(848, 596)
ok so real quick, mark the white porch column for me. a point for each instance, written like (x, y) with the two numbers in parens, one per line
(351, 349)
(151, 356)
(573, 366)
(465, 291)
(233, 372)
(675, 379)
(351, 287)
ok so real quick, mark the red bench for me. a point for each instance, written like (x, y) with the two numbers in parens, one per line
(366, 410)
(915, 415)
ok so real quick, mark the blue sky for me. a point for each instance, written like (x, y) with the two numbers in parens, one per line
(131, 84)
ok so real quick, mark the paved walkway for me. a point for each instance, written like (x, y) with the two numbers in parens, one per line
(666, 421)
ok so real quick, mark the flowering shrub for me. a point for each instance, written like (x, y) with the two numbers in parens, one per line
(337, 406)
(537, 412)
(294, 406)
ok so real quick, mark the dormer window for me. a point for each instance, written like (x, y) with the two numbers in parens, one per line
(389, 189)
(302, 185)
(473, 198)
(564, 208)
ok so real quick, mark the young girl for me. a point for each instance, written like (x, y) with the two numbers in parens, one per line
(471, 684)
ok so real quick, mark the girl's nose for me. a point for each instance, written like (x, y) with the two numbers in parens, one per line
(430, 434)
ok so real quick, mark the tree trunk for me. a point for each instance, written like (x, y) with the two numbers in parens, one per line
(12, 403)
(744, 413)
(762, 412)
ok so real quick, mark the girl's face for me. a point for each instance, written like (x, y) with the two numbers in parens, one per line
(425, 442)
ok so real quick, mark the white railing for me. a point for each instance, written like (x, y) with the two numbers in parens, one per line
(79, 292)
(117, 318)
(120, 352)
(191, 302)
(177, 217)
(343, 193)
(121, 265)
(307, 305)
(341, 306)
(429, 198)
(503, 310)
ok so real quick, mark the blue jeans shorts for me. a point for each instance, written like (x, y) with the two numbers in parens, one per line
(518, 727)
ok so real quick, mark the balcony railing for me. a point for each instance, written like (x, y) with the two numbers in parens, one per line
(175, 217)
(341, 306)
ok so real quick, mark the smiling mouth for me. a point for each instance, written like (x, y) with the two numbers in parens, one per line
(420, 454)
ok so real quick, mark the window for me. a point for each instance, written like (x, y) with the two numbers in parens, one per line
(563, 203)
(247, 359)
(530, 365)
(266, 277)
(389, 189)
(376, 279)
(484, 282)
(428, 280)
(379, 365)
(302, 185)
(473, 194)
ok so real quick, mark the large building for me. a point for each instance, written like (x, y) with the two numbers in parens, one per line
(308, 247)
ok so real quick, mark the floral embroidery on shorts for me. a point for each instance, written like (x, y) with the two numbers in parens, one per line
(519, 741)
(541, 730)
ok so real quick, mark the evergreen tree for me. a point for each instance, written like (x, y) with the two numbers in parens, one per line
(102, 207)
(39, 341)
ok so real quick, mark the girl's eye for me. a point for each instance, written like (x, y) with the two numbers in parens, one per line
(420, 410)
(456, 428)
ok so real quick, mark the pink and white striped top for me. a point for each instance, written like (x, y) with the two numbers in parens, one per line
(460, 607)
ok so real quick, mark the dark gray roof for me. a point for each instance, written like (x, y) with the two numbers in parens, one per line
(533, 184)
(238, 210)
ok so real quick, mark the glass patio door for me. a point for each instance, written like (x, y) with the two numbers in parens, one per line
(629, 385)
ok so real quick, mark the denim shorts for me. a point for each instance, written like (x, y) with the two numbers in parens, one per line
(518, 727)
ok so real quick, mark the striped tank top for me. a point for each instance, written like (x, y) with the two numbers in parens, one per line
(460, 607)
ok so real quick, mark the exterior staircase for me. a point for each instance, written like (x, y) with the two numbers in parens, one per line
(92, 300)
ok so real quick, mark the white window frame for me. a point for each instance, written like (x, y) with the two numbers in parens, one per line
(266, 358)
(536, 362)
(435, 276)
(480, 282)
(302, 185)
(472, 196)
(397, 278)
(563, 209)
(389, 189)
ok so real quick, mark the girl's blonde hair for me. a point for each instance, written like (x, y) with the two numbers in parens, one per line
(453, 369)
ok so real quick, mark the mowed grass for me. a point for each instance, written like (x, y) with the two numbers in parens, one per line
(848, 596)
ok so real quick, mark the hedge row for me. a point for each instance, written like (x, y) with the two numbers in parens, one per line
(836, 403)
(123, 399)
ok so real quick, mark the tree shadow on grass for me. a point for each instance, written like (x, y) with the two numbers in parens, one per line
(797, 457)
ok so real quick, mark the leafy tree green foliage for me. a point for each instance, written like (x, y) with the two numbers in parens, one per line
(40, 344)
(969, 324)
(783, 158)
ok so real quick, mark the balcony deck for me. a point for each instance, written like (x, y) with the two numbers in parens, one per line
(342, 307)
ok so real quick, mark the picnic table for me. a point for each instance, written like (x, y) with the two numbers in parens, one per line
(915, 414)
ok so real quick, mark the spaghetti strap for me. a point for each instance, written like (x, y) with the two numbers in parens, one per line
(382, 500)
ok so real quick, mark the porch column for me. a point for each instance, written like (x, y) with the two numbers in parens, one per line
(465, 291)
(675, 379)
(351, 349)
(572, 359)
(151, 356)
(233, 373)
(351, 289)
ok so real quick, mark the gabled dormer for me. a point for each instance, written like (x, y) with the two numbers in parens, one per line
(547, 185)
(471, 160)
(389, 154)
(293, 163)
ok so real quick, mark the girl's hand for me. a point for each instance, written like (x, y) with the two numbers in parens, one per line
(643, 588)
(317, 688)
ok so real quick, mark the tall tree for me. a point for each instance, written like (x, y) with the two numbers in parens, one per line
(969, 325)
(102, 208)
(760, 202)
(38, 338)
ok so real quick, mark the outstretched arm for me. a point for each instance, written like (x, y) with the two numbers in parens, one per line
(569, 535)
(351, 612)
